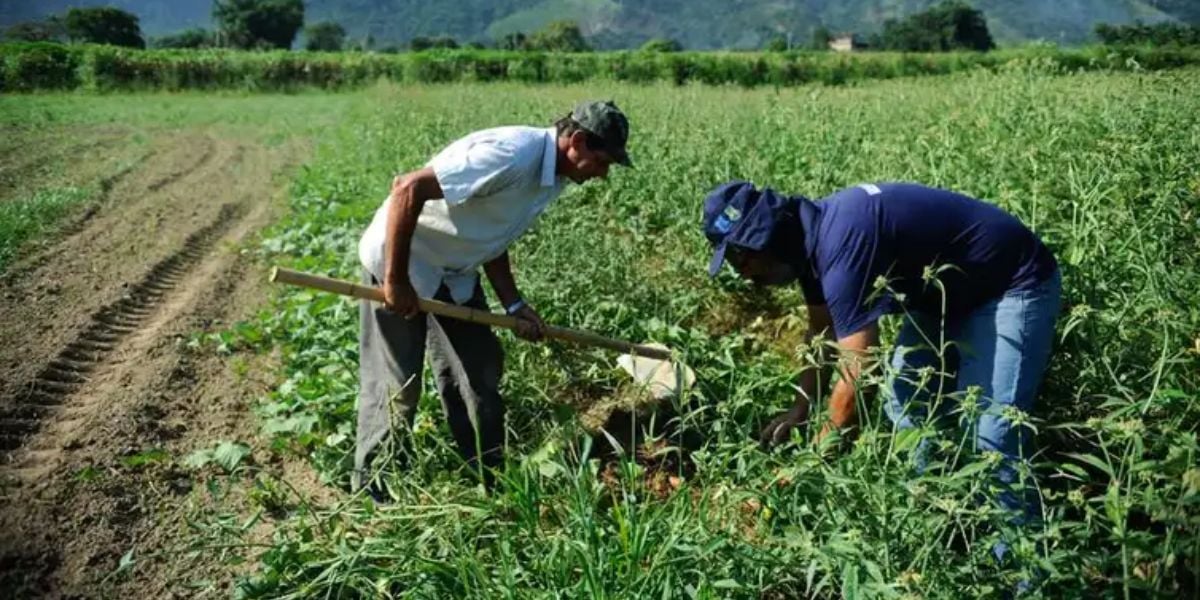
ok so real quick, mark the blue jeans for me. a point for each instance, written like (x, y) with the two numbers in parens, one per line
(1001, 350)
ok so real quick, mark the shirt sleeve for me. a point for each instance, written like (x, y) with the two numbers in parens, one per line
(848, 284)
(474, 169)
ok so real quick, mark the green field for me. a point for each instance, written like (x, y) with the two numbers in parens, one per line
(63, 153)
(1103, 166)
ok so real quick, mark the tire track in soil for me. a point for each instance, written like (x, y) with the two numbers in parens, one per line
(27, 162)
(209, 149)
(118, 381)
(67, 372)
(107, 184)
(75, 224)
(129, 197)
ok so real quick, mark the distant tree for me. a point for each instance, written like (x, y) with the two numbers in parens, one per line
(188, 38)
(364, 44)
(104, 25)
(951, 25)
(1159, 34)
(777, 43)
(50, 30)
(258, 23)
(1108, 34)
(326, 36)
(419, 43)
(970, 27)
(512, 41)
(475, 45)
(558, 36)
(908, 35)
(662, 45)
(821, 36)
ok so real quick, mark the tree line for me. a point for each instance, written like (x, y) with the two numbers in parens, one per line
(260, 25)
(274, 24)
(1158, 34)
(43, 66)
(243, 24)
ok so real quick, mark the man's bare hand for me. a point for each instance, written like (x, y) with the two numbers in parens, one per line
(400, 298)
(780, 428)
(529, 324)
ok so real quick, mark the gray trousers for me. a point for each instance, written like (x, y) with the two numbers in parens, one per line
(467, 363)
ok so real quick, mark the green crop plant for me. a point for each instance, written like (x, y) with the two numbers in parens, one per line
(38, 66)
(1102, 165)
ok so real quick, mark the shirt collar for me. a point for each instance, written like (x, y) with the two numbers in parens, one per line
(550, 158)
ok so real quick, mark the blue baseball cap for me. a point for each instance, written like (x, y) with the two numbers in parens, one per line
(737, 213)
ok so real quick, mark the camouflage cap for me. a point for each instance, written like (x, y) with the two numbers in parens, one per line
(608, 123)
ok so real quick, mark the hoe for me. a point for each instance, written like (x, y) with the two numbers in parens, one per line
(652, 366)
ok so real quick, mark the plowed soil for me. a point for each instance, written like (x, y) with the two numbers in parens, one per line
(100, 391)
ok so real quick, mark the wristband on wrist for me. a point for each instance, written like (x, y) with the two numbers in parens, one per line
(515, 306)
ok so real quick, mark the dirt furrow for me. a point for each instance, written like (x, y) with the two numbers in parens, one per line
(98, 258)
(31, 162)
(94, 376)
(69, 370)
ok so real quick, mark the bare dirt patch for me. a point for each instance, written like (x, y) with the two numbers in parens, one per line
(66, 156)
(100, 395)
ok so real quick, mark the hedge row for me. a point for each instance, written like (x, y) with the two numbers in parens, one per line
(27, 67)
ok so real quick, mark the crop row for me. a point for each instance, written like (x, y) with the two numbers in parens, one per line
(1101, 165)
(27, 67)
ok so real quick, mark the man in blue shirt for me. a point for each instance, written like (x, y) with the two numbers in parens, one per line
(979, 293)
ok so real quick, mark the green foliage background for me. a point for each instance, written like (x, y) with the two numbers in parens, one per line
(103, 25)
(36, 66)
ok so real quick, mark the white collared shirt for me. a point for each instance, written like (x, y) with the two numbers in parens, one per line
(495, 183)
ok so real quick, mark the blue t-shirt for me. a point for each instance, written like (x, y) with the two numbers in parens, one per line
(896, 231)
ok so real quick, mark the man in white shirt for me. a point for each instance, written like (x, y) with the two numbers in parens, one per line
(428, 239)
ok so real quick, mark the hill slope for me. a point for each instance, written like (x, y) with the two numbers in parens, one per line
(698, 24)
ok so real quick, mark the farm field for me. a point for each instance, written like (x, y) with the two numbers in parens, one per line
(122, 221)
(249, 497)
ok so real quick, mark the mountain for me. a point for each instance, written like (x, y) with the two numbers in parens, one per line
(697, 24)
(157, 17)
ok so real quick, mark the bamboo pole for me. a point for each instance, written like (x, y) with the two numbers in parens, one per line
(464, 313)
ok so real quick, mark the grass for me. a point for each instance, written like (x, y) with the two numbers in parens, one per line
(1101, 165)
(25, 219)
(262, 114)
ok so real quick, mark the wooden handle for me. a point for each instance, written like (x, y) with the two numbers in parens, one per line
(463, 313)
